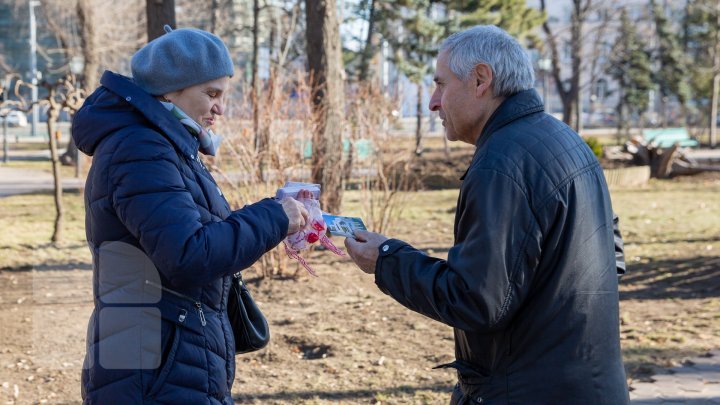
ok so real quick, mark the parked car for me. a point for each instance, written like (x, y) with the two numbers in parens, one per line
(15, 119)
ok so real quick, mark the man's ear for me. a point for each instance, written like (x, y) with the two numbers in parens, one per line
(483, 77)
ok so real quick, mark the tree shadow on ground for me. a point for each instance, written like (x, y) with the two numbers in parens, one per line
(694, 277)
(643, 362)
(294, 396)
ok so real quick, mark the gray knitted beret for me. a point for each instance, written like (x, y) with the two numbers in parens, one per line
(178, 59)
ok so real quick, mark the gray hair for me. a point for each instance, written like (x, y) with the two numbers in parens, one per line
(512, 70)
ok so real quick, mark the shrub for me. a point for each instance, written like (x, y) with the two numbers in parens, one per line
(595, 146)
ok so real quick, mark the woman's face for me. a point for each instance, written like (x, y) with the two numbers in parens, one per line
(202, 102)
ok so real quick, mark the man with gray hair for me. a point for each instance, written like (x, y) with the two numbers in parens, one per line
(530, 285)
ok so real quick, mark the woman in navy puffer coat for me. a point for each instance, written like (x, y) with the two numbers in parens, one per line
(163, 238)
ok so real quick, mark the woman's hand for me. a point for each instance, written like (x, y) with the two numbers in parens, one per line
(296, 213)
(304, 194)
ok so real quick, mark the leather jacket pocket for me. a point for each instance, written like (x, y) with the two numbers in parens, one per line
(473, 383)
(460, 398)
(168, 361)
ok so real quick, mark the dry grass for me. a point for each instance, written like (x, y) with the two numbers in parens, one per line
(326, 330)
(670, 297)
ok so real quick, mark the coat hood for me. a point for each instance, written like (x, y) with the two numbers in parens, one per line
(119, 103)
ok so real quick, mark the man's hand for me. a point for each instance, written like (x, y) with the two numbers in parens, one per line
(296, 213)
(363, 249)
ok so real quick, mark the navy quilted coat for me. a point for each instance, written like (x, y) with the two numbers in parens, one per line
(164, 244)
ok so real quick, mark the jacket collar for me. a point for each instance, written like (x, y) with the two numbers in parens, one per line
(151, 108)
(512, 108)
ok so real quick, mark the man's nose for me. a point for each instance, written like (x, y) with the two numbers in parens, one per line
(435, 101)
(218, 109)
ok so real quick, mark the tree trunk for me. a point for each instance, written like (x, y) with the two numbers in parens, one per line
(53, 113)
(565, 94)
(576, 56)
(88, 42)
(88, 45)
(714, 109)
(326, 70)
(214, 11)
(716, 81)
(620, 108)
(568, 110)
(369, 50)
(260, 146)
(418, 122)
(159, 13)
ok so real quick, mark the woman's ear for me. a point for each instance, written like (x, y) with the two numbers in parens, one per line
(483, 76)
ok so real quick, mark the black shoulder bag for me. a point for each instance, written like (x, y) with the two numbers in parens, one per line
(249, 326)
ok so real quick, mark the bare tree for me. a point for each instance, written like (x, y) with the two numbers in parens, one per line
(159, 13)
(62, 94)
(261, 141)
(89, 50)
(716, 78)
(569, 95)
(280, 40)
(326, 70)
(369, 49)
(88, 43)
(104, 37)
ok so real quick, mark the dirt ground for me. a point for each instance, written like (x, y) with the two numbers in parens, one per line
(338, 339)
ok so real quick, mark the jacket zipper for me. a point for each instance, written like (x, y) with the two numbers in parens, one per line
(197, 304)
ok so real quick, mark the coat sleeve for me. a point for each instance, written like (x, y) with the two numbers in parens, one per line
(488, 271)
(619, 247)
(151, 199)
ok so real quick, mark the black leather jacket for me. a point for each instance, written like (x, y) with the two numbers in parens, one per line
(531, 284)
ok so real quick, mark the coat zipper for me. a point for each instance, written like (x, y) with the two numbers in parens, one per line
(197, 304)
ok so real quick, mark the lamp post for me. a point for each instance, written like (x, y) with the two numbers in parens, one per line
(33, 65)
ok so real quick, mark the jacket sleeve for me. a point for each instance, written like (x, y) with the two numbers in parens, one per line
(619, 247)
(486, 276)
(151, 199)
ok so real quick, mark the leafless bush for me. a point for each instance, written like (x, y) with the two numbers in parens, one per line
(385, 173)
(288, 122)
(372, 161)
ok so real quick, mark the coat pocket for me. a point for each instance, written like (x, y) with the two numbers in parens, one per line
(473, 383)
(460, 398)
(168, 360)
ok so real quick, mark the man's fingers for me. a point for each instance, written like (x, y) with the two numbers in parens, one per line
(361, 235)
(351, 243)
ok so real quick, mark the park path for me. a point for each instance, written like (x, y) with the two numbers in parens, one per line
(696, 382)
(14, 181)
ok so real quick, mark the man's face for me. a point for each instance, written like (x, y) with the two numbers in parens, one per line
(457, 102)
(202, 102)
